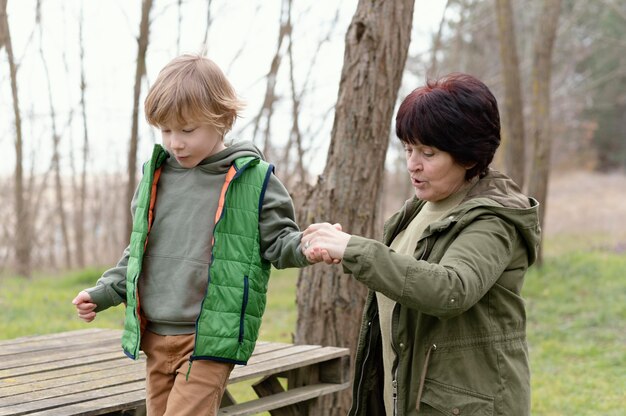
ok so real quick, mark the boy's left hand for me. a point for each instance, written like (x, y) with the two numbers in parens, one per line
(85, 306)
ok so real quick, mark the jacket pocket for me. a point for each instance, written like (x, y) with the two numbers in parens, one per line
(442, 399)
(244, 305)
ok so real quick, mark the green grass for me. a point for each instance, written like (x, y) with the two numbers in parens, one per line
(577, 334)
(42, 305)
(576, 324)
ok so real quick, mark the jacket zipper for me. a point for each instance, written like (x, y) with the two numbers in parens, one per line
(367, 349)
(394, 384)
(394, 381)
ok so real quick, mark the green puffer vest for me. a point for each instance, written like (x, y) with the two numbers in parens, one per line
(230, 317)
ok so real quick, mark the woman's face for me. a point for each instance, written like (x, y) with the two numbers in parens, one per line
(435, 175)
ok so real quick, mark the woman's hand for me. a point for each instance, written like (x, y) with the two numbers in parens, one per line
(324, 242)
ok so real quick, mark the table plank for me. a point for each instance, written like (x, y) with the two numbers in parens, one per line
(29, 379)
(59, 401)
(66, 389)
(106, 376)
(123, 401)
(38, 357)
(278, 400)
(49, 341)
(71, 362)
(286, 363)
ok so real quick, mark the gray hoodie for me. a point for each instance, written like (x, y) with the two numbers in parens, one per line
(175, 266)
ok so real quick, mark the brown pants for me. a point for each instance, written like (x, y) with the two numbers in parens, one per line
(168, 392)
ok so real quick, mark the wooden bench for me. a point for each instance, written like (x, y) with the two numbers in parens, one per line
(85, 373)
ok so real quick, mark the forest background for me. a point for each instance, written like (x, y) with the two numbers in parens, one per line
(73, 75)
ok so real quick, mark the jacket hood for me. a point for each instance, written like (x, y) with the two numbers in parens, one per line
(500, 195)
(221, 161)
(496, 194)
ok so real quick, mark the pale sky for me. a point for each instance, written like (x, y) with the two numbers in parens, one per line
(244, 28)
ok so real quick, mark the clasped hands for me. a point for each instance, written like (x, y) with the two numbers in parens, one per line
(324, 242)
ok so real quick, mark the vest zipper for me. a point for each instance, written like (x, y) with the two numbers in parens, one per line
(244, 304)
(195, 341)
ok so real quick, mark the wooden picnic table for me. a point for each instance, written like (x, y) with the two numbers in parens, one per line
(85, 372)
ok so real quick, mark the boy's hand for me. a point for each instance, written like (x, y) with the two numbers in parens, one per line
(85, 306)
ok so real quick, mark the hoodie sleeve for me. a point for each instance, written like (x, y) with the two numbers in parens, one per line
(280, 235)
(110, 290)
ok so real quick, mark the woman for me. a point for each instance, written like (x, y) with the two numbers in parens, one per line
(444, 325)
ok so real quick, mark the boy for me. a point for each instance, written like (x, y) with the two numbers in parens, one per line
(208, 220)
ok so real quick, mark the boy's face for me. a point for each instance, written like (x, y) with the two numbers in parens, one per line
(192, 142)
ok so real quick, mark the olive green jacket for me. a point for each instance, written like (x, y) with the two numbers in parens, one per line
(459, 325)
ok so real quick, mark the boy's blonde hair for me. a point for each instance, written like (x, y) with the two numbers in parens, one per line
(192, 88)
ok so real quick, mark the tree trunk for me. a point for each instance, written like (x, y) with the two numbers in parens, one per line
(514, 142)
(542, 73)
(23, 226)
(330, 304)
(140, 71)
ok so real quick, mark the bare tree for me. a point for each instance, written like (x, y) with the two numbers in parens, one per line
(329, 304)
(140, 72)
(82, 192)
(23, 226)
(514, 141)
(542, 75)
(267, 108)
(295, 135)
(56, 138)
(298, 174)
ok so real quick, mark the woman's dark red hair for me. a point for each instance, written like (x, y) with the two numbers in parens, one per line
(457, 114)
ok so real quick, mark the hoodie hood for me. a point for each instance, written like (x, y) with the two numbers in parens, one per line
(221, 161)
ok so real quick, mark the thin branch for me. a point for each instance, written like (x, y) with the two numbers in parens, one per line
(209, 20)
(267, 108)
(432, 71)
(244, 44)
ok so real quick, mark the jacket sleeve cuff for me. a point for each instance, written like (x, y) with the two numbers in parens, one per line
(356, 257)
